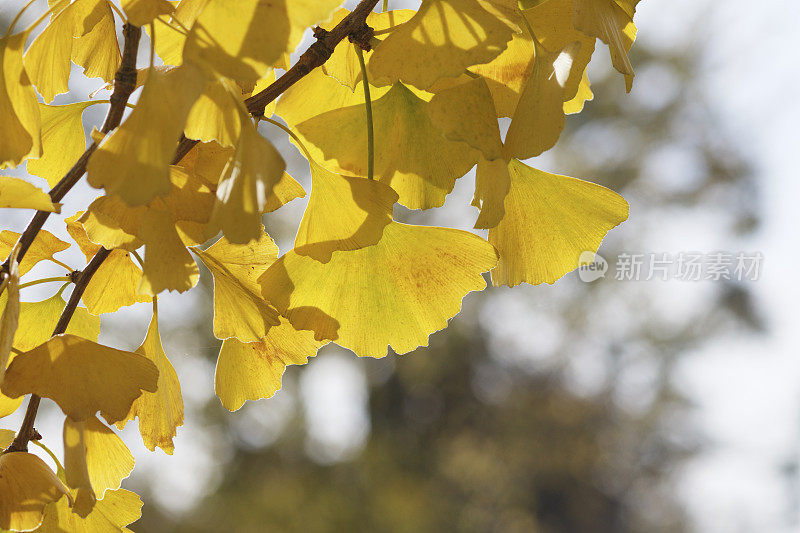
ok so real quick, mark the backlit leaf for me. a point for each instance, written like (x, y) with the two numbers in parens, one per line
(43, 248)
(549, 220)
(161, 412)
(19, 110)
(26, 485)
(63, 141)
(396, 292)
(82, 377)
(141, 12)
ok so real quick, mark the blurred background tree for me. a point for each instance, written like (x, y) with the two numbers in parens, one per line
(549, 409)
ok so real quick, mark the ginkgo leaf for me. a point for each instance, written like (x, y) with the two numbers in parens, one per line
(583, 95)
(82, 377)
(613, 24)
(27, 485)
(141, 12)
(116, 282)
(230, 36)
(9, 405)
(343, 63)
(97, 50)
(553, 25)
(247, 181)
(396, 292)
(167, 263)
(117, 509)
(112, 223)
(9, 321)
(411, 153)
(63, 141)
(161, 412)
(251, 371)
(95, 458)
(492, 183)
(37, 320)
(239, 309)
(19, 194)
(133, 161)
(343, 213)
(539, 117)
(43, 248)
(6, 438)
(442, 39)
(549, 220)
(170, 38)
(218, 114)
(19, 108)
(47, 60)
(506, 74)
(465, 112)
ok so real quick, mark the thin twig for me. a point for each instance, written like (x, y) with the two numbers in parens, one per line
(315, 56)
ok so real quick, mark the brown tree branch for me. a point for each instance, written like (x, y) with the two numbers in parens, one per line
(315, 56)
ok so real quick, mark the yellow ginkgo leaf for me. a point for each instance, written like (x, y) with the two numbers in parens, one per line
(539, 117)
(396, 292)
(63, 141)
(82, 377)
(47, 60)
(343, 63)
(465, 112)
(583, 95)
(553, 25)
(161, 412)
(112, 223)
(411, 154)
(43, 248)
(549, 220)
(37, 320)
(97, 50)
(9, 405)
(492, 183)
(441, 40)
(343, 213)
(218, 114)
(18, 193)
(19, 108)
(6, 438)
(133, 161)
(251, 371)
(95, 458)
(27, 485)
(117, 509)
(239, 309)
(116, 283)
(170, 38)
(247, 181)
(611, 21)
(141, 12)
(229, 35)
(168, 265)
(506, 74)
(9, 321)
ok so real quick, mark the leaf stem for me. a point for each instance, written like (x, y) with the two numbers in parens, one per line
(45, 280)
(138, 258)
(119, 13)
(62, 264)
(292, 134)
(368, 103)
(17, 17)
(385, 5)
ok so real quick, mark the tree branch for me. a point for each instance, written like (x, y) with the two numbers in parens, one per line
(316, 56)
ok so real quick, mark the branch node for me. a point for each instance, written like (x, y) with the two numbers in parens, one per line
(362, 37)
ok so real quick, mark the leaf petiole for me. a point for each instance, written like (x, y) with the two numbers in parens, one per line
(368, 103)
